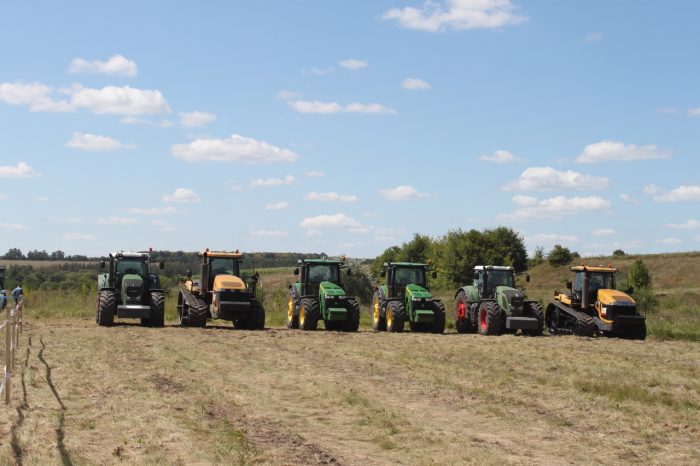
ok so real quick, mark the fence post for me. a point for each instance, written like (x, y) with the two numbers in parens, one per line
(8, 344)
(13, 333)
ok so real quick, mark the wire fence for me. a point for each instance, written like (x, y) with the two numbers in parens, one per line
(13, 328)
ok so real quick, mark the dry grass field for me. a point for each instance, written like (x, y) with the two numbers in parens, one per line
(133, 395)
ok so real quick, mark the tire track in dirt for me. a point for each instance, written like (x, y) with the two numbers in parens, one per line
(23, 407)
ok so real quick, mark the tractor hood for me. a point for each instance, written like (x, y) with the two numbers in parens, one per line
(417, 292)
(331, 289)
(613, 297)
(132, 289)
(228, 282)
(510, 299)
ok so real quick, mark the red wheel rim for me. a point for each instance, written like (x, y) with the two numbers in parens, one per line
(461, 311)
(482, 318)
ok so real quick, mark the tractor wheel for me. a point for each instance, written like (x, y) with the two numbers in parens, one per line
(489, 318)
(535, 310)
(256, 321)
(198, 315)
(378, 321)
(353, 312)
(183, 314)
(157, 309)
(551, 319)
(292, 313)
(106, 306)
(308, 314)
(395, 317)
(463, 323)
(438, 325)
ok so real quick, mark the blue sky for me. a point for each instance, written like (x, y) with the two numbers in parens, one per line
(345, 127)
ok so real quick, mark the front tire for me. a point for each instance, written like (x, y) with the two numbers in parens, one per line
(106, 307)
(438, 325)
(489, 318)
(463, 323)
(308, 314)
(378, 321)
(535, 310)
(292, 313)
(353, 316)
(157, 309)
(395, 317)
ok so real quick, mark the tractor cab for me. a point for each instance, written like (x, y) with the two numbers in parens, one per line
(599, 278)
(488, 277)
(316, 271)
(401, 274)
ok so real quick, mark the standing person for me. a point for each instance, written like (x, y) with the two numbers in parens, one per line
(17, 292)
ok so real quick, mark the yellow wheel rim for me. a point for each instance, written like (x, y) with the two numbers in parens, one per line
(290, 306)
(301, 316)
(376, 311)
(388, 318)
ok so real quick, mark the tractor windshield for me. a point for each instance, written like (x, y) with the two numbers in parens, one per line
(499, 278)
(224, 266)
(132, 267)
(598, 281)
(323, 273)
(407, 276)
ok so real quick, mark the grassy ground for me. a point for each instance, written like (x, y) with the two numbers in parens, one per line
(128, 394)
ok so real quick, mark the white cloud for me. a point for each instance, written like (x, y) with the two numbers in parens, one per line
(384, 239)
(269, 182)
(413, 84)
(12, 227)
(269, 233)
(166, 227)
(277, 206)
(694, 111)
(680, 194)
(119, 100)
(314, 173)
(288, 95)
(116, 221)
(22, 170)
(402, 193)
(501, 157)
(154, 211)
(551, 238)
(549, 179)
(117, 65)
(353, 64)
(39, 199)
(628, 199)
(360, 230)
(234, 149)
(456, 14)
(605, 151)
(34, 95)
(4, 197)
(78, 236)
(554, 208)
(594, 37)
(690, 224)
(313, 233)
(317, 71)
(196, 119)
(331, 196)
(604, 232)
(182, 195)
(670, 240)
(329, 221)
(315, 106)
(94, 142)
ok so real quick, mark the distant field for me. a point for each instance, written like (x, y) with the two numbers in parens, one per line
(43, 264)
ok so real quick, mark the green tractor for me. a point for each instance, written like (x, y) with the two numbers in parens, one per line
(130, 289)
(405, 297)
(493, 305)
(318, 295)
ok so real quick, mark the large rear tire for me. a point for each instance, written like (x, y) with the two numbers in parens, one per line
(308, 314)
(257, 319)
(106, 307)
(463, 323)
(353, 314)
(395, 317)
(489, 318)
(378, 321)
(292, 312)
(534, 309)
(157, 309)
(438, 325)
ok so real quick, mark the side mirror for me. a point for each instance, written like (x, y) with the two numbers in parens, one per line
(102, 264)
(188, 273)
(527, 277)
(349, 272)
(569, 285)
(382, 273)
(161, 265)
(296, 271)
(434, 275)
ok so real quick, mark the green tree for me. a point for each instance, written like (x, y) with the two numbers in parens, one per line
(559, 255)
(618, 253)
(14, 254)
(639, 276)
(538, 257)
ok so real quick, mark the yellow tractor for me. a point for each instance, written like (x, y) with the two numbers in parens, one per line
(220, 293)
(591, 305)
